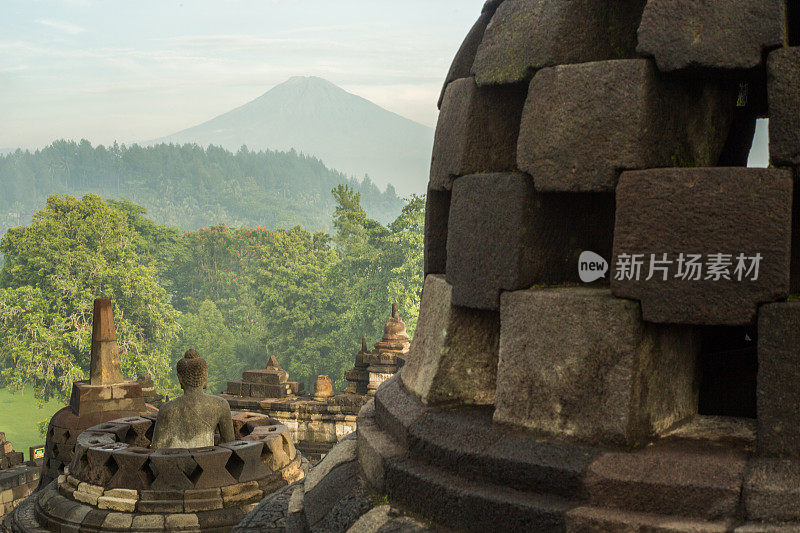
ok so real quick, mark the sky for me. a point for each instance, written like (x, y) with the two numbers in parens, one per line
(135, 70)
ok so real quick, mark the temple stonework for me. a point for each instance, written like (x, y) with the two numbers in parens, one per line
(375, 367)
(193, 466)
(548, 392)
(271, 381)
(106, 395)
(321, 418)
(18, 478)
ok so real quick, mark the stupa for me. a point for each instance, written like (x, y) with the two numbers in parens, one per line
(551, 389)
(272, 381)
(194, 467)
(319, 420)
(106, 395)
(373, 368)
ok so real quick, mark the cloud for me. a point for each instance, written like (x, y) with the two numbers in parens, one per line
(62, 25)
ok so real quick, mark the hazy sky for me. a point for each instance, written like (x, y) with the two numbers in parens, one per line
(135, 70)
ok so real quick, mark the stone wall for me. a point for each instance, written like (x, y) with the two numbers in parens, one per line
(314, 426)
(16, 484)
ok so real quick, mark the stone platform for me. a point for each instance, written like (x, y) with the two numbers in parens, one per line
(703, 476)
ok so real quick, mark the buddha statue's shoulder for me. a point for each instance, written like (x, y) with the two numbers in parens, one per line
(220, 403)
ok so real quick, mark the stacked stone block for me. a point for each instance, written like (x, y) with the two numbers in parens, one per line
(16, 484)
(271, 381)
(621, 128)
(114, 485)
(723, 35)
(631, 380)
(584, 123)
(17, 478)
(728, 211)
(524, 36)
(105, 396)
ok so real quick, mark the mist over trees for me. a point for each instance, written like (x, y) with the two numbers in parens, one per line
(186, 186)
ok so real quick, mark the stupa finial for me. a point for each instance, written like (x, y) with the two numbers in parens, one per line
(104, 367)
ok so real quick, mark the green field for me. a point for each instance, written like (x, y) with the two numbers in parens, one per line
(20, 416)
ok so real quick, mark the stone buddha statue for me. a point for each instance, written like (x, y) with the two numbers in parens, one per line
(191, 420)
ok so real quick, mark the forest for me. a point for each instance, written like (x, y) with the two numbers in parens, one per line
(235, 293)
(186, 186)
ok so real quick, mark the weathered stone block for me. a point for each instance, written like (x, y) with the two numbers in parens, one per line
(234, 495)
(160, 501)
(181, 522)
(117, 522)
(778, 393)
(220, 519)
(784, 106)
(707, 212)
(211, 471)
(126, 389)
(94, 519)
(566, 141)
(100, 467)
(462, 63)
(669, 481)
(235, 387)
(193, 505)
(138, 430)
(437, 212)
(526, 35)
(725, 34)
(489, 244)
(576, 362)
(148, 522)
(265, 390)
(502, 235)
(772, 490)
(83, 391)
(131, 472)
(116, 504)
(171, 469)
(476, 132)
(261, 376)
(245, 463)
(453, 356)
(592, 519)
(87, 493)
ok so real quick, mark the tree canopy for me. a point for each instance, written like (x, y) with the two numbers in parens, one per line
(236, 294)
(185, 186)
(73, 252)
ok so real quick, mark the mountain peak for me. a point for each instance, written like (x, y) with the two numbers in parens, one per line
(314, 116)
(307, 80)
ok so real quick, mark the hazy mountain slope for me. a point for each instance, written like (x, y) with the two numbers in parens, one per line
(314, 116)
(185, 186)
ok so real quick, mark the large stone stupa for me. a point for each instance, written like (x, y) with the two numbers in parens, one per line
(655, 388)
(106, 395)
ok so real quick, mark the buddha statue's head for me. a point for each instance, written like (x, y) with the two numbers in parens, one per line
(192, 371)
